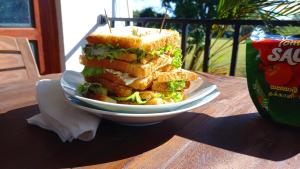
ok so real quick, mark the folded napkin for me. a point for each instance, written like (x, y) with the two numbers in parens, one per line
(59, 116)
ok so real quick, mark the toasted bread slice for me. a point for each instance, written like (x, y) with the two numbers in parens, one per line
(157, 86)
(152, 101)
(166, 68)
(119, 54)
(147, 94)
(128, 57)
(147, 39)
(177, 74)
(101, 98)
(137, 84)
(155, 101)
(133, 69)
(119, 90)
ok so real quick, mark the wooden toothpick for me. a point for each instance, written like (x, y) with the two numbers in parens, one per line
(163, 21)
(107, 21)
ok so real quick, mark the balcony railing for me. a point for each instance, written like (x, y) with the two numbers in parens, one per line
(208, 27)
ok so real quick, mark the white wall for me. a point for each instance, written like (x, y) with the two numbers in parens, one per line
(79, 18)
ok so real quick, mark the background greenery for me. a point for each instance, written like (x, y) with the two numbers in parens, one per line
(221, 45)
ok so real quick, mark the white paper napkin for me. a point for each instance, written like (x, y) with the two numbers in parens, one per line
(59, 116)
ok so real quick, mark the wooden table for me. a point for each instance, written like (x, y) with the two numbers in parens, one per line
(226, 133)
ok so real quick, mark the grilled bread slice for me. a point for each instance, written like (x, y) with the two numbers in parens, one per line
(147, 39)
(119, 90)
(164, 86)
(135, 83)
(129, 57)
(152, 80)
(177, 74)
(134, 69)
(175, 80)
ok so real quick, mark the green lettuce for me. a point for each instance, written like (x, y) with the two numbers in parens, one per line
(92, 71)
(176, 85)
(135, 97)
(174, 52)
(107, 51)
(177, 58)
(95, 88)
(176, 96)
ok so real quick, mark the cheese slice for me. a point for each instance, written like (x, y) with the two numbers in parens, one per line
(124, 76)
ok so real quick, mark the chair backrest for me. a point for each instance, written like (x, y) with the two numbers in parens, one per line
(16, 60)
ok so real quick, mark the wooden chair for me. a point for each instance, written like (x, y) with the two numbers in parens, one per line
(16, 60)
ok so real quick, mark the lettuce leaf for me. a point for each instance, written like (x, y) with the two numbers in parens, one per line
(107, 51)
(135, 97)
(175, 53)
(92, 71)
(176, 96)
(95, 88)
(176, 85)
(177, 58)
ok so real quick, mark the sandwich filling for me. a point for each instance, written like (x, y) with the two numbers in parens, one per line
(93, 89)
(107, 51)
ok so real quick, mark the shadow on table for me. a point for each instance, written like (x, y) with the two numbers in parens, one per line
(25, 146)
(245, 134)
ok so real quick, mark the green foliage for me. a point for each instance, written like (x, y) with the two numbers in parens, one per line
(255, 9)
(196, 9)
(219, 63)
(288, 30)
(149, 12)
(225, 9)
(136, 13)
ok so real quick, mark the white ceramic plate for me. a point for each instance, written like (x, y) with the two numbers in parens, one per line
(198, 89)
(145, 118)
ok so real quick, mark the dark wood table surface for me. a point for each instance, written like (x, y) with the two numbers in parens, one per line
(225, 133)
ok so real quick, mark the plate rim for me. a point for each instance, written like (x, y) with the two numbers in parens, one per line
(200, 102)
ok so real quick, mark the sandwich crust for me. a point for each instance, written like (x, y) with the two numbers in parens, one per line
(119, 90)
(157, 86)
(122, 41)
(138, 84)
(178, 74)
(149, 39)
